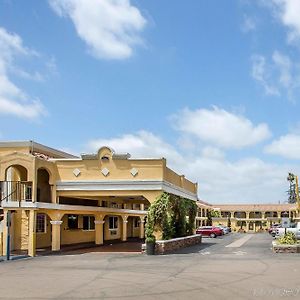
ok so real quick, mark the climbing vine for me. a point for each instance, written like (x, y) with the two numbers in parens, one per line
(171, 215)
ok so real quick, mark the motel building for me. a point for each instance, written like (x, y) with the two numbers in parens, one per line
(247, 217)
(50, 198)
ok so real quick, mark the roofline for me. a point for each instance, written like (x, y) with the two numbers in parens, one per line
(35, 147)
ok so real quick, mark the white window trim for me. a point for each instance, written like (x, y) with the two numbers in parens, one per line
(89, 223)
(45, 224)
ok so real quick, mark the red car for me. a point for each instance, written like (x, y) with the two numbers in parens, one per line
(211, 231)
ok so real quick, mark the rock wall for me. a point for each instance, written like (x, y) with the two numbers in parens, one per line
(167, 246)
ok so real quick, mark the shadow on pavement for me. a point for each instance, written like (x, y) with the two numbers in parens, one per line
(193, 249)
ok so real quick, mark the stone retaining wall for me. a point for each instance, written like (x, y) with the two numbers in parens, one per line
(167, 246)
(285, 248)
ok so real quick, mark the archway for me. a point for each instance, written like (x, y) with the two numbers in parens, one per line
(43, 186)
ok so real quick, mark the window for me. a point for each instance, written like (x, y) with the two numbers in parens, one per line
(73, 221)
(41, 223)
(113, 223)
(88, 223)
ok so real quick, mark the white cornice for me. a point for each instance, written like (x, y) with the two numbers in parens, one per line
(54, 206)
(125, 185)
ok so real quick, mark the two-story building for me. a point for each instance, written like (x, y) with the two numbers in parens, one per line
(50, 198)
(253, 217)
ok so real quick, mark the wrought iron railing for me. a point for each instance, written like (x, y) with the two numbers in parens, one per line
(15, 191)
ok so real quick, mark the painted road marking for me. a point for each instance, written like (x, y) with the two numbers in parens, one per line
(240, 252)
(240, 242)
(205, 253)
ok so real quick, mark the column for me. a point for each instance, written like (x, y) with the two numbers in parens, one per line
(142, 227)
(53, 194)
(5, 231)
(32, 233)
(55, 234)
(99, 232)
(142, 207)
(124, 231)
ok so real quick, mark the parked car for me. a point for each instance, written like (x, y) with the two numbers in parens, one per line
(225, 229)
(272, 229)
(210, 231)
(295, 229)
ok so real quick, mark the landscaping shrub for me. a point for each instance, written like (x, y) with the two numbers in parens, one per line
(172, 215)
(288, 238)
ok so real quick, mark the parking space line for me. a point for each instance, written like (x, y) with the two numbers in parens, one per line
(240, 242)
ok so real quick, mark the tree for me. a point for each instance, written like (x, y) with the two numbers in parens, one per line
(292, 192)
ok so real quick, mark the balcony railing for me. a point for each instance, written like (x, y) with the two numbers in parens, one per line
(16, 191)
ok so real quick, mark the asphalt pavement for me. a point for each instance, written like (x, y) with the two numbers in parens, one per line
(235, 266)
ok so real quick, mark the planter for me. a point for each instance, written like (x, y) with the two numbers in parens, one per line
(280, 248)
(150, 248)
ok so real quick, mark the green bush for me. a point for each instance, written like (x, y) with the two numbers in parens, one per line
(174, 216)
(288, 238)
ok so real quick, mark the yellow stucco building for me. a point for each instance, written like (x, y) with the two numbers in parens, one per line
(253, 217)
(51, 198)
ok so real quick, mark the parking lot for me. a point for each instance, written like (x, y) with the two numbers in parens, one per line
(235, 266)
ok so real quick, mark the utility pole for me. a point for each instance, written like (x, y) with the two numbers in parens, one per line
(297, 193)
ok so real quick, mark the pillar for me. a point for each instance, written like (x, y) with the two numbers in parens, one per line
(5, 232)
(142, 207)
(53, 194)
(142, 227)
(32, 233)
(99, 232)
(124, 231)
(55, 235)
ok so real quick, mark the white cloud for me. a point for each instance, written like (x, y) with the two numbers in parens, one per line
(278, 76)
(288, 12)
(13, 100)
(220, 127)
(109, 28)
(287, 146)
(249, 24)
(284, 65)
(248, 180)
(261, 73)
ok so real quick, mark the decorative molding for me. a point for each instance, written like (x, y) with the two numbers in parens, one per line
(105, 172)
(134, 172)
(98, 222)
(125, 185)
(66, 207)
(76, 172)
(56, 222)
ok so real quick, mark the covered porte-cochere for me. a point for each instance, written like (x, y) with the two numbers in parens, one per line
(51, 199)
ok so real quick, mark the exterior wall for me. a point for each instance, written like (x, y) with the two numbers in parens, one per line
(75, 236)
(43, 240)
(7, 150)
(20, 230)
(253, 218)
(109, 234)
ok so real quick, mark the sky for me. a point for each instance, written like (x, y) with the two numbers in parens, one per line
(212, 86)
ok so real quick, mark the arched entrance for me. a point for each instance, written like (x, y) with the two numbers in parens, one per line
(43, 186)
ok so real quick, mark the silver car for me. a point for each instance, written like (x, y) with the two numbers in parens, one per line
(225, 229)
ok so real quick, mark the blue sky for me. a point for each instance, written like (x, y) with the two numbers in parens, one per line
(213, 86)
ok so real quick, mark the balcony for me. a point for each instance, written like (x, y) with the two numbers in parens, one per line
(16, 191)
